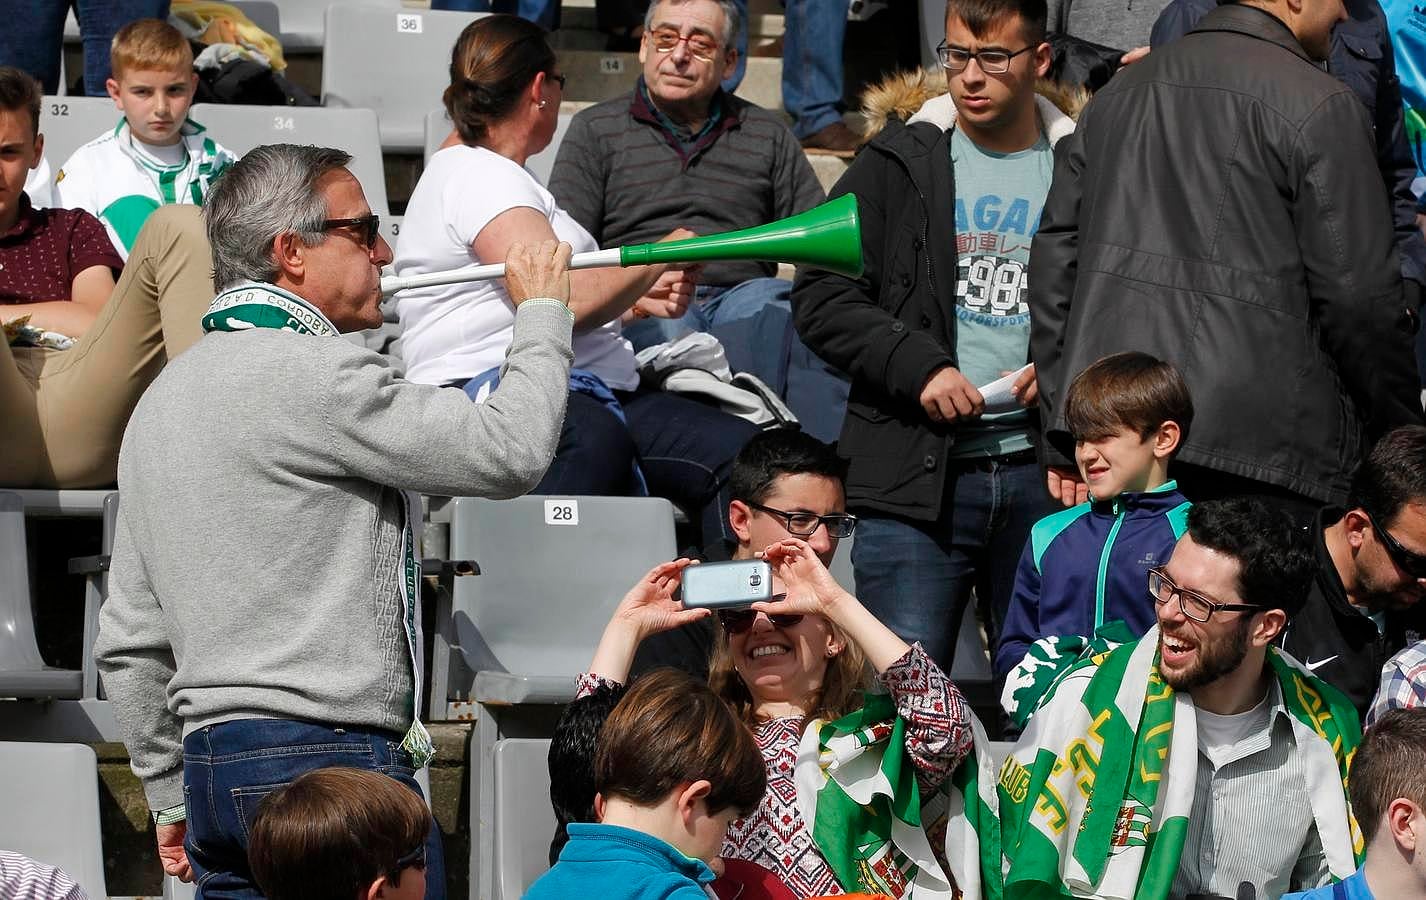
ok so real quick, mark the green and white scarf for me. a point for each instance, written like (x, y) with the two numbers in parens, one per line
(857, 792)
(1095, 797)
(254, 305)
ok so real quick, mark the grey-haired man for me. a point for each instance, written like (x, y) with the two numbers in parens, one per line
(262, 618)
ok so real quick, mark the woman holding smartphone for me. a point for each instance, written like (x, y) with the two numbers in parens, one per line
(782, 665)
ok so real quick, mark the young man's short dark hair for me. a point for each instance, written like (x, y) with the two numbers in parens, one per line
(781, 451)
(571, 759)
(1275, 559)
(1389, 764)
(982, 15)
(332, 832)
(18, 90)
(671, 729)
(1392, 475)
(1127, 390)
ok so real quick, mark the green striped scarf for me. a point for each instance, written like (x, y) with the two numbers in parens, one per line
(1094, 799)
(255, 305)
(857, 792)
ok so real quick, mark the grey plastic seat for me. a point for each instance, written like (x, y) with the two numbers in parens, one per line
(240, 128)
(392, 60)
(528, 623)
(70, 122)
(50, 793)
(524, 819)
(541, 165)
(552, 569)
(23, 672)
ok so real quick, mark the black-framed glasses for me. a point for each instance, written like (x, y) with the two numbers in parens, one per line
(562, 79)
(416, 859)
(805, 524)
(370, 222)
(702, 46)
(1193, 604)
(992, 62)
(737, 621)
(1413, 564)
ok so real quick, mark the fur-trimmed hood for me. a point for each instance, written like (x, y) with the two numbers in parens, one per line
(921, 96)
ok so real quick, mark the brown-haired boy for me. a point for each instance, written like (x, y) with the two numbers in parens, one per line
(340, 834)
(156, 155)
(674, 767)
(1088, 566)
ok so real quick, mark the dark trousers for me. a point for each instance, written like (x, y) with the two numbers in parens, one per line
(917, 576)
(228, 769)
(684, 448)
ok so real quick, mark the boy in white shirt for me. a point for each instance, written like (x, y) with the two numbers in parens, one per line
(156, 155)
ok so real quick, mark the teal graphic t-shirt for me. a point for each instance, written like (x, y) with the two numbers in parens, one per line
(999, 197)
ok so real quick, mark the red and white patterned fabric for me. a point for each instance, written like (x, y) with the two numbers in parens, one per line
(775, 837)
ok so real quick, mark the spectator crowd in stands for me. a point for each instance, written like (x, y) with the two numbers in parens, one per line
(1192, 510)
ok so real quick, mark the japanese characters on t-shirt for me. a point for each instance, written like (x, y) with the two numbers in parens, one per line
(999, 197)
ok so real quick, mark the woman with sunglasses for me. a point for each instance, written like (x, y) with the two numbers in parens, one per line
(474, 200)
(780, 665)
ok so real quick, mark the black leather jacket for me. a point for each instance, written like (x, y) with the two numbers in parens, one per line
(1220, 207)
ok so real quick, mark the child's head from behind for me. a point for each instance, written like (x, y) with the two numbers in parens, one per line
(153, 79)
(1387, 786)
(1129, 413)
(340, 834)
(674, 761)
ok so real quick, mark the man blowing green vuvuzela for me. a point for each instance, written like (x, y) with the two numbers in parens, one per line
(1198, 761)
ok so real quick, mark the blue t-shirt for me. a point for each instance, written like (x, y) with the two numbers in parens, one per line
(1407, 21)
(1353, 887)
(999, 197)
(614, 863)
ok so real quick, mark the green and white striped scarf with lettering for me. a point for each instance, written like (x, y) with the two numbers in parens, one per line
(256, 305)
(857, 792)
(1094, 799)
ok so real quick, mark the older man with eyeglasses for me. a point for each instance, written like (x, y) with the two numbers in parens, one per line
(1199, 762)
(1365, 603)
(679, 152)
(263, 616)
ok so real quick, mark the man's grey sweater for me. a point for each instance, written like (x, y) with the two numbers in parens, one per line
(257, 556)
(1124, 24)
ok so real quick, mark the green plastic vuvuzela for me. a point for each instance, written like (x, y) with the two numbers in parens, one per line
(827, 237)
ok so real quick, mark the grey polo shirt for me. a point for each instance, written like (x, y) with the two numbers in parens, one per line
(1251, 834)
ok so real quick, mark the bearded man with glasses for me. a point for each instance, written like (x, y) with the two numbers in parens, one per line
(1365, 602)
(1155, 769)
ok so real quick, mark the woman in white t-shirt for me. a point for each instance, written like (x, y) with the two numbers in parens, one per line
(476, 198)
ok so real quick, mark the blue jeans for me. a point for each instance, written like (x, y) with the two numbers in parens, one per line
(32, 39)
(917, 576)
(684, 448)
(712, 305)
(228, 769)
(544, 13)
(811, 61)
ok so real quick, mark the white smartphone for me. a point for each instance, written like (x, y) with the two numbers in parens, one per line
(725, 585)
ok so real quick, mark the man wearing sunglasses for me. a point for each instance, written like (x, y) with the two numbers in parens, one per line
(263, 612)
(679, 152)
(1365, 603)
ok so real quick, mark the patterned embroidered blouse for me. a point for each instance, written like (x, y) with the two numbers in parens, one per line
(775, 837)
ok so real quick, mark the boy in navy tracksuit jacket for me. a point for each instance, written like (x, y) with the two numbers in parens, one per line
(1088, 566)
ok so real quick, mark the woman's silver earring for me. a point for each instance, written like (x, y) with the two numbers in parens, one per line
(542, 103)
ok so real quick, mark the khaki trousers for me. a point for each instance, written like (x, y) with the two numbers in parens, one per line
(63, 412)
